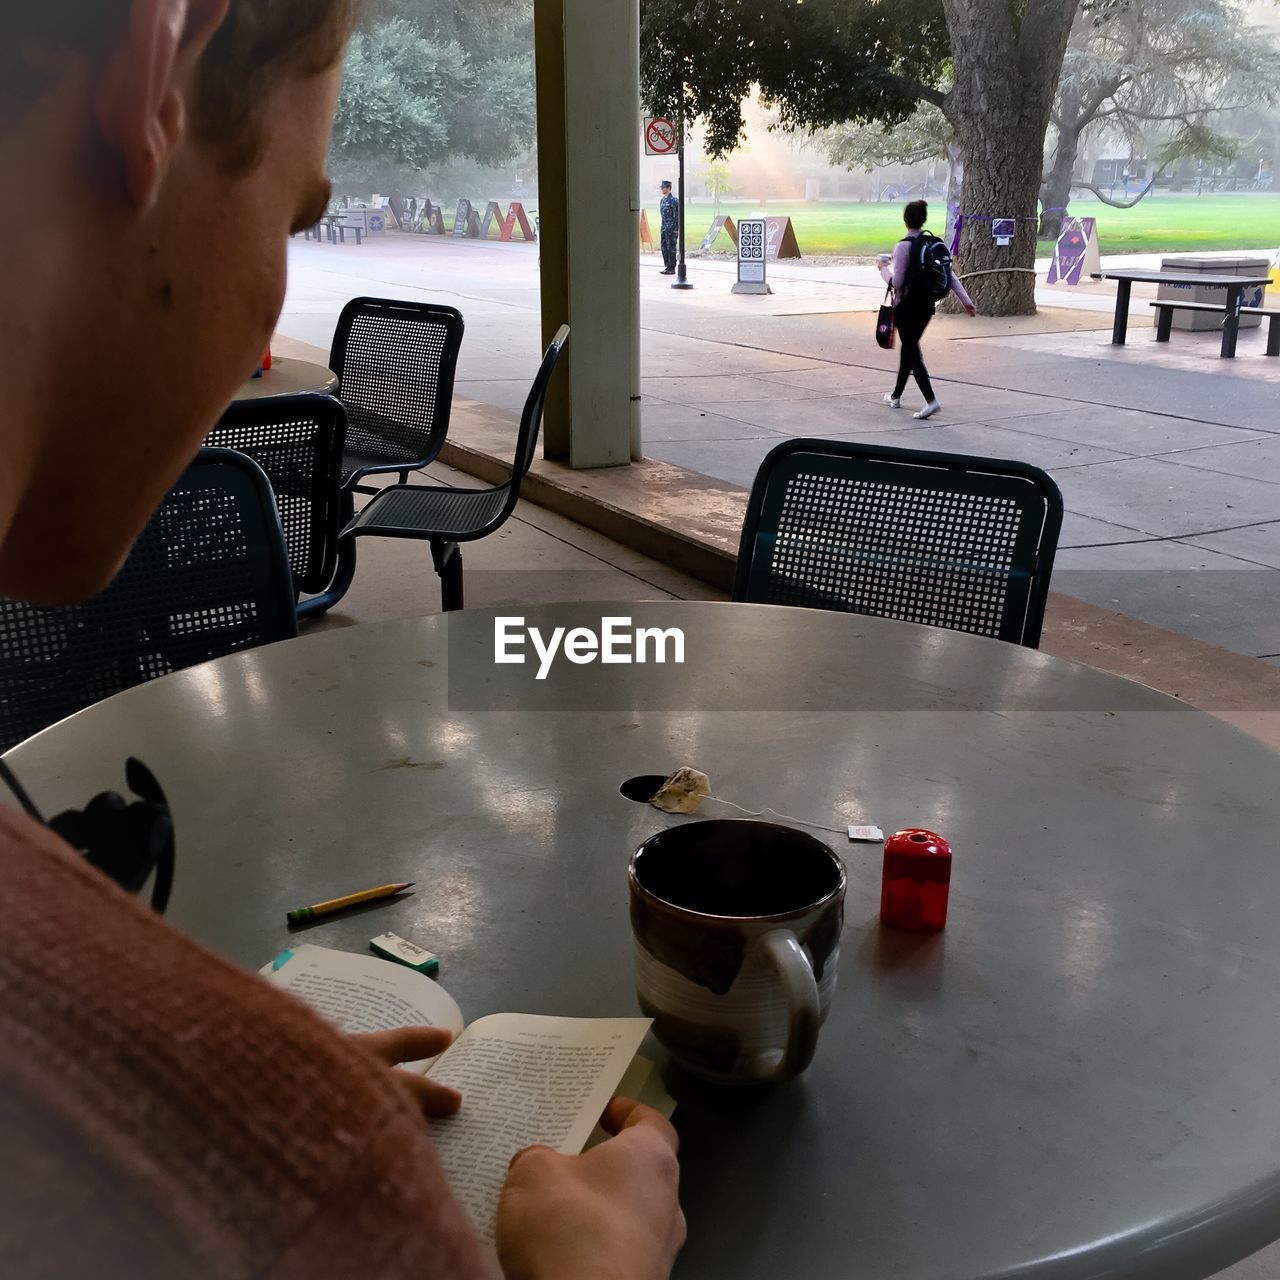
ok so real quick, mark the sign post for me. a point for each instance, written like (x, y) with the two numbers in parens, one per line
(752, 255)
(662, 137)
(682, 271)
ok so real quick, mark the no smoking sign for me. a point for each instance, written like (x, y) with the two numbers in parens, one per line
(659, 136)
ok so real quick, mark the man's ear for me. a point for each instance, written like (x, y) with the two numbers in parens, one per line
(139, 99)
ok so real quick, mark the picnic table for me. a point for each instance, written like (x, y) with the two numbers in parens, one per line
(1234, 285)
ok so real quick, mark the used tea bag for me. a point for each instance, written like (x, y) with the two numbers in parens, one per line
(683, 792)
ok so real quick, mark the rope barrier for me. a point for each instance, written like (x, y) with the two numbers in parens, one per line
(995, 271)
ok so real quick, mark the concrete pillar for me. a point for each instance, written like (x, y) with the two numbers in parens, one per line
(588, 78)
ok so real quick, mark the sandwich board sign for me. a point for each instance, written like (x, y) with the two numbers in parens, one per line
(1075, 256)
(492, 218)
(752, 256)
(516, 216)
(466, 222)
(661, 137)
(780, 239)
(722, 223)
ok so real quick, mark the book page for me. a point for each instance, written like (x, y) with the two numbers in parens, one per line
(525, 1079)
(363, 993)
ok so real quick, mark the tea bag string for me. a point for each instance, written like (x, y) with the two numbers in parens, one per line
(752, 813)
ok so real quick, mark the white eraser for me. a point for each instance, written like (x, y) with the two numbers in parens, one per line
(870, 834)
(392, 947)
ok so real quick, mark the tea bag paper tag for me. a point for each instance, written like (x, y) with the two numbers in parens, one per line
(867, 834)
(683, 792)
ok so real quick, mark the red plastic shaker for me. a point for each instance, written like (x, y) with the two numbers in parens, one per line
(917, 880)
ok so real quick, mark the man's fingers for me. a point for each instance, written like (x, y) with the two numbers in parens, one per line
(436, 1100)
(406, 1044)
(626, 1113)
(526, 1151)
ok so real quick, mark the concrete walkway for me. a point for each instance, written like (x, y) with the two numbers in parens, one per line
(1169, 458)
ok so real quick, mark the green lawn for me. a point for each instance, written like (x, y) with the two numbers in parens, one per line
(1162, 222)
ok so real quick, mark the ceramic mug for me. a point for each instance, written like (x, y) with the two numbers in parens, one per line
(737, 935)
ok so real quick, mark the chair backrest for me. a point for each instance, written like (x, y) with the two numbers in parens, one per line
(535, 402)
(208, 576)
(298, 442)
(943, 539)
(395, 363)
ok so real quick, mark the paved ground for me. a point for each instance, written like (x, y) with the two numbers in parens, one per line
(1169, 458)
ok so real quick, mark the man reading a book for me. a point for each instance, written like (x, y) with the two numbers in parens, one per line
(164, 1114)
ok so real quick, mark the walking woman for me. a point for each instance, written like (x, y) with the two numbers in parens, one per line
(919, 272)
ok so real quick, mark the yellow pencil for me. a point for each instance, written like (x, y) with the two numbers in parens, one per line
(341, 904)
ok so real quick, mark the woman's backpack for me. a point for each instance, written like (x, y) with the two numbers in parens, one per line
(928, 268)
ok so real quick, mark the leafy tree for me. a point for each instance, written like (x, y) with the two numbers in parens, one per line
(1143, 67)
(425, 84)
(718, 182)
(990, 66)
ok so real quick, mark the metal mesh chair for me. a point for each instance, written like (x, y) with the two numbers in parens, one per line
(445, 517)
(943, 539)
(395, 363)
(298, 442)
(207, 577)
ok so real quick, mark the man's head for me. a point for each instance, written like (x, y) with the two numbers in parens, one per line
(171, 146)
(915, 215)
(666, 186)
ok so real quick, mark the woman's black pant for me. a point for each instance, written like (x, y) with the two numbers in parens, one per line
(911, 323)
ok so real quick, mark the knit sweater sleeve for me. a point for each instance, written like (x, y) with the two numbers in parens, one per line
(176, 1116)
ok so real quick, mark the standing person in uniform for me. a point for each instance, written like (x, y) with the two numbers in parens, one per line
(920, 275)
(669, 207)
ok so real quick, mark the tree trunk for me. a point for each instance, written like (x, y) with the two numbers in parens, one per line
(1006, 76)
(1056, 193)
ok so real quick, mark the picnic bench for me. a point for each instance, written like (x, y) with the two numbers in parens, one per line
(1234, 285)
(332, 228)
(1165, 310)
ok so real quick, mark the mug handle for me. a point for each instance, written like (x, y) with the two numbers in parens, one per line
(783, 951)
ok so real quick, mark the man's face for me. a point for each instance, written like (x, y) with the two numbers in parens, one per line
(184, 301)
(219, 272)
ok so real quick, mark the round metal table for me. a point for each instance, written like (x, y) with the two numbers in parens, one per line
(1079, 1078)
(288, 377)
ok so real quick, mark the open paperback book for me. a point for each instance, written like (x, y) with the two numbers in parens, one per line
(524, 1078)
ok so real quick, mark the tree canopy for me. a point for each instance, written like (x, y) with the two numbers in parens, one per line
(424, 84)
(821, 62)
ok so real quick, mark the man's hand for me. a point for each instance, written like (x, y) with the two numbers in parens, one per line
(408, 1044)
(971, 309)
(611, 1212)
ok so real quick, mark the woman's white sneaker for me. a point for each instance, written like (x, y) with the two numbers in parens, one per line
(894, 402)
(928, 410)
